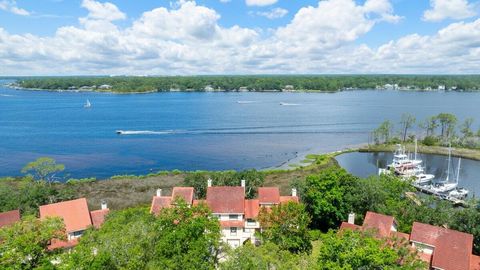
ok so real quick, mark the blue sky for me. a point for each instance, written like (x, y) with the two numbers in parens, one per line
(148, 37)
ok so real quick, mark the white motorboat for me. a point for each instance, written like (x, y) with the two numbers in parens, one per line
(422, 178)
(401, 160)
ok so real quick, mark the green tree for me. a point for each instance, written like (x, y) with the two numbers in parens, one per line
(324, 197)
(407, 122)
(23, 245)
(430, 125)
(384, 131)
(266, 256)
(43, 169)
(350, 249)
(286, 225)
(447, 124)
(466, 128)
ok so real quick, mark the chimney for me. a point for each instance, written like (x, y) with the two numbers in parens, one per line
(103, 205)
(243, 182)
(294, 192)
(159, 192)
(351, 218)
(209, 182)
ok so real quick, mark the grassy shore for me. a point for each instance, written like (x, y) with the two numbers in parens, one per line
(436, 150)
(129, 191)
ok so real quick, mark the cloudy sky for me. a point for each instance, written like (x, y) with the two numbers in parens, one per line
(160, 37)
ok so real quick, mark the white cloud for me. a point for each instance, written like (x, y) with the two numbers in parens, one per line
(274, 13)
(453, 9)
(260, 2)
(189, 39)
(11, 6)
(103, 11)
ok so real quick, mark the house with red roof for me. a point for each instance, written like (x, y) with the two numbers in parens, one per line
(440, 248)
(238, 216)
(76, 217)
(159, 202)
(10, 217)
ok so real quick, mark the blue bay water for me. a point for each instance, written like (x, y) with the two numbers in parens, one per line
(198, 131)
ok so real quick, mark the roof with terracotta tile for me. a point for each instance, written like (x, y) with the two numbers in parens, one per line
(158, 203)
(252, 208)
(346, 225)
(197, 202)
(231, 223)
(9, 217)
(453, 249)
(401, 235)
(186, 193)
(223, 200)
(56, 244)
(284, 199)
(75, 214)
(98, 217)
(474, 262)
(269, 195)
(381, 223)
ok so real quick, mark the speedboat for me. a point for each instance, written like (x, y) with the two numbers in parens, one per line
(422, 178)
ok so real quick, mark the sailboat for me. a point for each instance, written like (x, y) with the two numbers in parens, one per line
(446, 186)
(87, 104)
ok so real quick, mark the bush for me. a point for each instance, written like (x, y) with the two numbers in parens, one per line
(430, 141)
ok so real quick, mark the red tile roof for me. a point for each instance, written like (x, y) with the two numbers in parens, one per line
(452, 250)
(158, 203)
(56, 244)
(10, 217)
(252, 208)
(400, 235)
(98, 217)
(223, 200)
(269, 195)
(197, 202)
(75, 214)
(381, 223)
(425, 257)
(231, 223)
(474, 262)
(186, 193)
(284, 199)
(346, 225)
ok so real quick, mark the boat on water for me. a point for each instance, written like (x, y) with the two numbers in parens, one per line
(288, 104)
(402, 163)
(446, 185)
(87, 104)
(459, 193)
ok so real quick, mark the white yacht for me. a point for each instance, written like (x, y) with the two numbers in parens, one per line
(401, 160)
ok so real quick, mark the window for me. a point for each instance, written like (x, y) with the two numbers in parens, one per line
(77, 234)
(251, 222)
(233, 217)
(233, 231)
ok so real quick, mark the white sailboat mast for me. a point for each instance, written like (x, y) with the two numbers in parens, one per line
(449, 161)
(458, 169)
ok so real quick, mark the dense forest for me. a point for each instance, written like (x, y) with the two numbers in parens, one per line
(254, 83)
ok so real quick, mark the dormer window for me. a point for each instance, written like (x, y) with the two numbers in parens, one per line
(233, 217)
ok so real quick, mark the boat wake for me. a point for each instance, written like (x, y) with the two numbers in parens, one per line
(143, 132)
(5, 95)
(289, 104)
(246, 101)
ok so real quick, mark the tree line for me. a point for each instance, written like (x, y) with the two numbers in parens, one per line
(254, 83)
(443, 129)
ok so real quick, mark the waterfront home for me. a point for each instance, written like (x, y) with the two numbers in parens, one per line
(8, 218)
(440, 248)
(105, 86)
(76, 217)
(237, 215)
